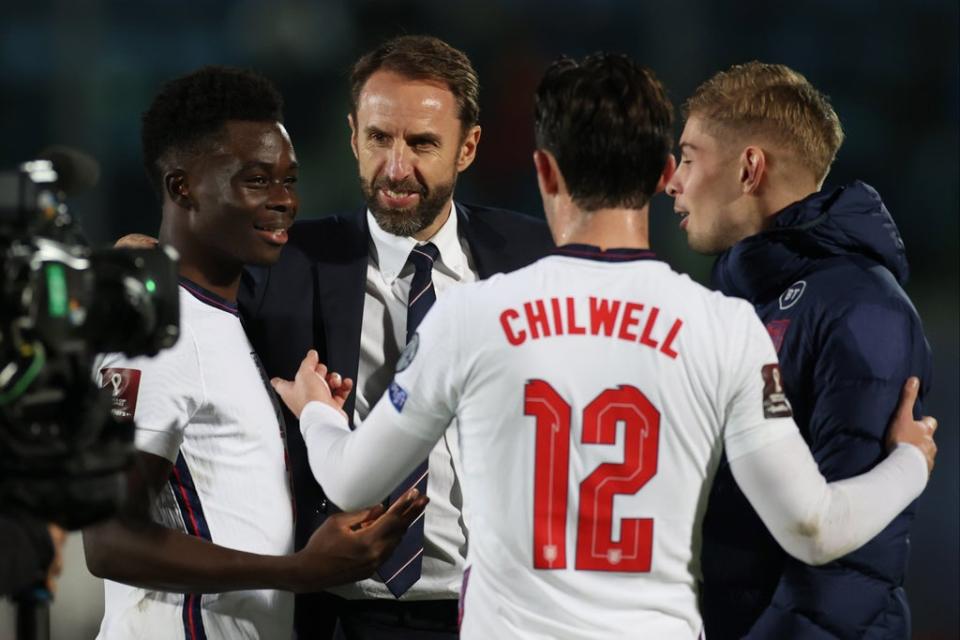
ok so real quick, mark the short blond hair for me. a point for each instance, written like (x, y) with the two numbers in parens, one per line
(775, 102)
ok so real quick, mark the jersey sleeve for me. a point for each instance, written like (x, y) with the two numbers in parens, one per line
(360, 468)
(812, 520)
(758, 411)
(817, 522)
(159, 394)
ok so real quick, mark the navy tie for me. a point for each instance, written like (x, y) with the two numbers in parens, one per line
(402, 569)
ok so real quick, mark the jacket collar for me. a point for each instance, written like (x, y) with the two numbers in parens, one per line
(849, 220)
(392, 252)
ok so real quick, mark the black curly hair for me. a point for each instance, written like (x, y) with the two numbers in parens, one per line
(191, 111)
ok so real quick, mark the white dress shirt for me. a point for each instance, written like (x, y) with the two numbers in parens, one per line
(382, 338)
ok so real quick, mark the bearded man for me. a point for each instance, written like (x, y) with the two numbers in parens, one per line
(354, 287)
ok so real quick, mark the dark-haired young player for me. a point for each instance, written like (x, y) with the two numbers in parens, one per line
(594, 392)
(215, 559)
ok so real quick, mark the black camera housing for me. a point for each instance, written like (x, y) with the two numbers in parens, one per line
(63, 456)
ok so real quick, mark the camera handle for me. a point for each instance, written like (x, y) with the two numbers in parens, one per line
(33, 614)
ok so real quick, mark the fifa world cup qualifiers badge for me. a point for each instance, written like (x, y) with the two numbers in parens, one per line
(398, 396)
(124, 385)
(775, 403)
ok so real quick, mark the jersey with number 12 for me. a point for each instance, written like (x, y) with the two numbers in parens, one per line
(594, 393)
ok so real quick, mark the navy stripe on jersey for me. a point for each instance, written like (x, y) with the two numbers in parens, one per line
(192, 618)
(191, 511)
(590, 252)
(209, 297)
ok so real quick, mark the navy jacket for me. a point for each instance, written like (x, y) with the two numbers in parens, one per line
(313, 298)
(826, 281)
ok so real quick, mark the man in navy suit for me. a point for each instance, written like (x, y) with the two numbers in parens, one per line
(355, 286)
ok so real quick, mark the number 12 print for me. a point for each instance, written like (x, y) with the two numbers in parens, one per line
(596, 549)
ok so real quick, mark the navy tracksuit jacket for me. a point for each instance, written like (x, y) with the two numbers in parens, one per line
(826, 281)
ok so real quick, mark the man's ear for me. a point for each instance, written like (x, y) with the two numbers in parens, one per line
(548, 174)
(177, 189)
(669, 167)
(353, 134)
(753, 169)
(468, 148)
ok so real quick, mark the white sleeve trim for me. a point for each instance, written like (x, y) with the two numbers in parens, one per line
(163, 443)
(817, 522)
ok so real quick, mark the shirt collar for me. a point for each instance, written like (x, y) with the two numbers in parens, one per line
(590, 252)
(209, 297)
(392, 251)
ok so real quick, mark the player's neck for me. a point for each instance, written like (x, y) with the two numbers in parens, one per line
(225, 283)
(200, 264)
(610, 229)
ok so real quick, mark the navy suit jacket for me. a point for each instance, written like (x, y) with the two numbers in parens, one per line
(313, 298)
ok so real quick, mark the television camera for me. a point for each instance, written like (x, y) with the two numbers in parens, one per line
(63, 455)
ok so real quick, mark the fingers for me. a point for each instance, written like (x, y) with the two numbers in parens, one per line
(908, 397)
(405, 510)
(334, 380)
(280, 385)
(310, 361)
(340, 388)
(356, 519)
(287, 392)
(373, 514)
(929, 449)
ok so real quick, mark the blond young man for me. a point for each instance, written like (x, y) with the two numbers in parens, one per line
(824, 269)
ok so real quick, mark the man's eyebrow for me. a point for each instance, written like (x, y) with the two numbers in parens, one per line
(263, 165)
(256, 164)
(426, 136)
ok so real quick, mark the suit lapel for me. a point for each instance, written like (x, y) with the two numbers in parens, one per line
(341, 286)
(486, 243)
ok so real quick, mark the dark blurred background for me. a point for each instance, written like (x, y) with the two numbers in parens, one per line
(81, 72)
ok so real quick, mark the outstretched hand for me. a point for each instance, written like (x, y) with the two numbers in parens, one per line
(313, 382)
(350, 546)
(903, 428)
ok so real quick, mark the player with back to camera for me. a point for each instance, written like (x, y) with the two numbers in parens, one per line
(595, 391)
(204, 546)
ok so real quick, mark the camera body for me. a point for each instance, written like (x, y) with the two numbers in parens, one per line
(63, 456)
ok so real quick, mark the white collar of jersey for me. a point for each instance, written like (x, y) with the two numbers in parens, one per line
(392, 251)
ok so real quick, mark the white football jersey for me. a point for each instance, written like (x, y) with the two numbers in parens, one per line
(594, 393)
(206, 406)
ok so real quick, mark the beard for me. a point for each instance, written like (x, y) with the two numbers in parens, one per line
(412, 220)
